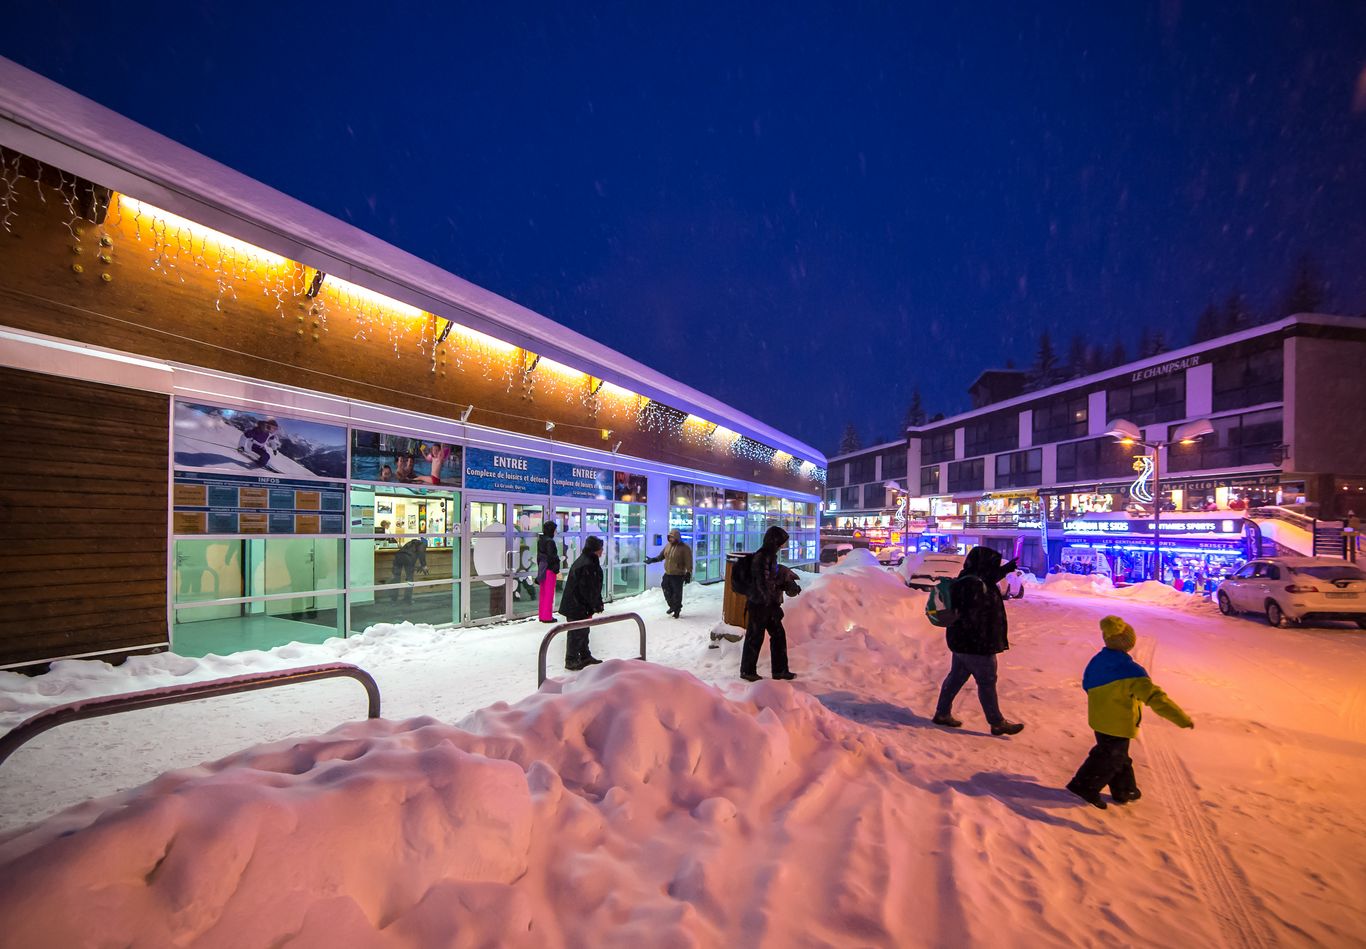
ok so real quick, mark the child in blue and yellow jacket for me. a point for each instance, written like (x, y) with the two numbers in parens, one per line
(1116, 689)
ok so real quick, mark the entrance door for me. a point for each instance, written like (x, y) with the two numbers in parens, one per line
(577, 521)
(502, 551)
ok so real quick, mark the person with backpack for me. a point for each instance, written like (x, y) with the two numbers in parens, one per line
(977, 632)
(677, 558)
(764, 581)
(547, 569)
(581, 600)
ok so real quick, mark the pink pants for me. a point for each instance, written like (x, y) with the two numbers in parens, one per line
(548, 597)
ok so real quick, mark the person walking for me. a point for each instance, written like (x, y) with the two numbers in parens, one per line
(547, 569)
(582, 598)
(677, 558)
(1117, 688)
(765, 609)
(411, 557)
(975, 638)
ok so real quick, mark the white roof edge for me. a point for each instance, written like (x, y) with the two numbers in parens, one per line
(863, 451)
(1265, 329)
(57, 126)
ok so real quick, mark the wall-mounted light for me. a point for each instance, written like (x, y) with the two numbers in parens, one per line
(606, 434)
(616, 448)
(550, 426)
(465, 415)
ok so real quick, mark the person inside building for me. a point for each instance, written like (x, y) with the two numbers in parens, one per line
(581, 600)
(411, 557)
(677, 559)
(770, 581)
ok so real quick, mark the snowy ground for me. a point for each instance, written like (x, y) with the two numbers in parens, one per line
(669, 803)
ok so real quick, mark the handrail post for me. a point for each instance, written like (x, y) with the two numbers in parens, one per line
(584, 624)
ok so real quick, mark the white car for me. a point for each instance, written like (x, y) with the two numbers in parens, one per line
(891, 556)
(924, 570)
(1295, 589)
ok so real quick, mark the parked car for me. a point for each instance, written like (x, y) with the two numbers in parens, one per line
(924, 570)
(891, 556)
(1012, 585)
(835, 553)
(1295, 589)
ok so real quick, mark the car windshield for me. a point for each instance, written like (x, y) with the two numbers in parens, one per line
(1333, 572)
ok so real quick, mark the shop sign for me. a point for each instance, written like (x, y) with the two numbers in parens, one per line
(1028, 524)
(584, 481)
(1165, 369)
(1223, 525)
(500, 471)
(237, 441)
(204, 503)
(1210, 485)
(378, 456)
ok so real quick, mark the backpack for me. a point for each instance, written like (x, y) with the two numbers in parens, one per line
(939, 608)
(742, 576)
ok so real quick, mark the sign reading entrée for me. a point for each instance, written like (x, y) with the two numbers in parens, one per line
(499, 471)
(581, 481)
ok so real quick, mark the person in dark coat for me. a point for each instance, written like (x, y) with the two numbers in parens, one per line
(765, 609)
(582, 598)
(411, 557)
(975, 638)
(547, 570)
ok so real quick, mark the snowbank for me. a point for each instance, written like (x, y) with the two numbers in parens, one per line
(1149, 591)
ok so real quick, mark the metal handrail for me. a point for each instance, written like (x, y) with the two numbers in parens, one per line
(1302, 521)
(584, 624)
(187, 692)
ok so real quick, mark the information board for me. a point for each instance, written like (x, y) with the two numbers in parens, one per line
(501, 471)
(211, 503)
(581, 481)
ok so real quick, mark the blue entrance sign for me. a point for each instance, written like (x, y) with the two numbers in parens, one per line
(581, 481)
(499, 471)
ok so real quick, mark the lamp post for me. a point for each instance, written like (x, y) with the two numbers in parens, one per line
(1128, 433)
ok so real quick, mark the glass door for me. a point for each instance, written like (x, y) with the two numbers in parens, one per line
(525, 528)
(491, 559)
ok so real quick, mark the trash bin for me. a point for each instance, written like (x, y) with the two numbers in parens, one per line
(734, 605)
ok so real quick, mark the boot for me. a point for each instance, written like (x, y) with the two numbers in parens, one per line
(948, 721)
(1007, 728)
(594, 661)
(1092, 797)
(750, 676)
(785, 675)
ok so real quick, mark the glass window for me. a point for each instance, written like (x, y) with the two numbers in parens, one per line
(874, 496)
(680, 494)
(1249, 376)
(1161, 399)
(1019, 469)
(937, 446)
(1060, 418)
(992, 433)
(862, 469)
(929, 480)
(894, 463)
(850, 498)
(966, 475)
(1254, 438)
(1095, 459)
(709, 497)
(221, 629)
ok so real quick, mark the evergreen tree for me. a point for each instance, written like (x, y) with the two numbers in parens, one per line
(1045, 371)
(1145, 343)
(1118, 354)
(915, 412)
(1235, 315)
(1076, 357)
(849, 441)
(1305, 293)
(1157, 343)
(1207, 324)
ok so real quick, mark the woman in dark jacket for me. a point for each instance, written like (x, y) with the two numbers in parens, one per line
(765, 609)
(547, 570)
(582, 598)
(975, 637)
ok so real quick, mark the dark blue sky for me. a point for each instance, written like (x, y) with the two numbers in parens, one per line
(805, 210)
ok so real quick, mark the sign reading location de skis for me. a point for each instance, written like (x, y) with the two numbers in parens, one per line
(500, 471)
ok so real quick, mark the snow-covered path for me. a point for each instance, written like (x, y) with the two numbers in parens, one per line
(871, 826)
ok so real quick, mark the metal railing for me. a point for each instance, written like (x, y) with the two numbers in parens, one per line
(1302, 521)
(187, 692)
(584, 624)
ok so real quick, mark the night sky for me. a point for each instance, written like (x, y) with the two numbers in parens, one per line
(804, 210)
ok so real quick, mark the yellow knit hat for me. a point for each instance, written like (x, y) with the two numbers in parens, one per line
(1118, 634)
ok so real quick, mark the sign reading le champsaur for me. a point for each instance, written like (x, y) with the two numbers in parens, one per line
(582, 481)
(499, 471)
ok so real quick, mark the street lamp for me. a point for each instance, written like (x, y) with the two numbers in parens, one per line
(1127, 433)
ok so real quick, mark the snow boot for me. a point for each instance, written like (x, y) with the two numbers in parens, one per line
(573, 665)
(784, 675)
(750, 676)
(594, 661)
(1007, 728)
(1092, 798)
(1127, 797)
(948, 721)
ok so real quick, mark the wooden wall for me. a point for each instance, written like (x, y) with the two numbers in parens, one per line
(134, 284)
(82, 517)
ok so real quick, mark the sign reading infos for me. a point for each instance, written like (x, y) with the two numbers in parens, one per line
(500, 471)
(581, 481)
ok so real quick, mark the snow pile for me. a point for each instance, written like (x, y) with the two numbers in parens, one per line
(637, 806)
(858, 557)
(1149, 591)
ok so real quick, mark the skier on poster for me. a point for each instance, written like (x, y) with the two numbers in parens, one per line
(261, 442)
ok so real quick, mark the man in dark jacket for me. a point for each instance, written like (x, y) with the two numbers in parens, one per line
(975, 637)
(582, 598)
(677, 557)
(411, 557)
(765, 609)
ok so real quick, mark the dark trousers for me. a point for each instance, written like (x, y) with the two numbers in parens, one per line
(673, 592)
(764, 619)
(981, 668)
(402, 569)
(1107, 764)
(576, 646)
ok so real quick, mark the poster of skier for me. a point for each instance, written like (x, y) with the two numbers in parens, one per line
(241, 441)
